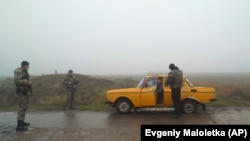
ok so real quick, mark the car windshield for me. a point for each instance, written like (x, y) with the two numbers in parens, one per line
(189, 82)
(139, 85)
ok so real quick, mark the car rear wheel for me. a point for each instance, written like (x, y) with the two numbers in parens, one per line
(189, 106)
(123, 106)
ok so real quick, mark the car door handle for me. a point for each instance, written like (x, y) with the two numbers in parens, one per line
(193, 90)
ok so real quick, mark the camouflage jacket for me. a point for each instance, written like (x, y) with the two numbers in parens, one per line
(69, 82)
(21, 78)
(175, 79)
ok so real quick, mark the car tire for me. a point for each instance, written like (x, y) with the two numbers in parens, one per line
(189, 106)
(123, 106)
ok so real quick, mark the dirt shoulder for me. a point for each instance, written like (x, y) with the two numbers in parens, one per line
(230, 115)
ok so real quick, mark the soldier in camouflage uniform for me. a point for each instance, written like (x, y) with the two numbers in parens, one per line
(23, 91)
(70, 83)
(175, 81)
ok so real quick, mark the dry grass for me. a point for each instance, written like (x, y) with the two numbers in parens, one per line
(49, 93)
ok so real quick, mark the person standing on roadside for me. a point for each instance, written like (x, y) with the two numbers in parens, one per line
(70, 83)
(175, 81)
(23, 91)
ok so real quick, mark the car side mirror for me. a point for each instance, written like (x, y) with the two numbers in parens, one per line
(144, 85)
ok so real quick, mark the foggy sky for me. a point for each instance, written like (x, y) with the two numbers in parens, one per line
(96, 37)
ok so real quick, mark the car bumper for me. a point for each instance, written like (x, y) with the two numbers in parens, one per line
(214, 99)
(109, 102)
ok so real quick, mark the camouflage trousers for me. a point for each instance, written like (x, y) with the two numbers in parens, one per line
(69, 100)
(23, 106)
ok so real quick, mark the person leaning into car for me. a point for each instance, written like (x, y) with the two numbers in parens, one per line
(174, 81)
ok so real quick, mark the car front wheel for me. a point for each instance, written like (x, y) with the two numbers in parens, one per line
(123, 106)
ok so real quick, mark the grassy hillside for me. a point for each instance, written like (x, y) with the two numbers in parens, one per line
(48, 91)
(232, 89)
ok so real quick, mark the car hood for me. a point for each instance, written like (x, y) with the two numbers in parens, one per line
(124, 90)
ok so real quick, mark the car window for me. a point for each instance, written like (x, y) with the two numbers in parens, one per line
(152, 82)
(141, 82)
(189, 82)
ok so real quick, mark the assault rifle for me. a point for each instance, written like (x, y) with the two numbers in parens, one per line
(74, 84)
(29, 90)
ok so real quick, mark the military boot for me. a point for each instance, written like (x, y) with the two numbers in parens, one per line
(24, 123)
(20, 126)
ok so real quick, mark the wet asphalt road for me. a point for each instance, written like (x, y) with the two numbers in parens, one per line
(102, 119)
(108, 125)
(94, 125)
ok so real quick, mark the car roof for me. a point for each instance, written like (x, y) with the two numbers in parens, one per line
(159, 74)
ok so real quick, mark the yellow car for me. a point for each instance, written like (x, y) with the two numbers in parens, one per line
(144, 95)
